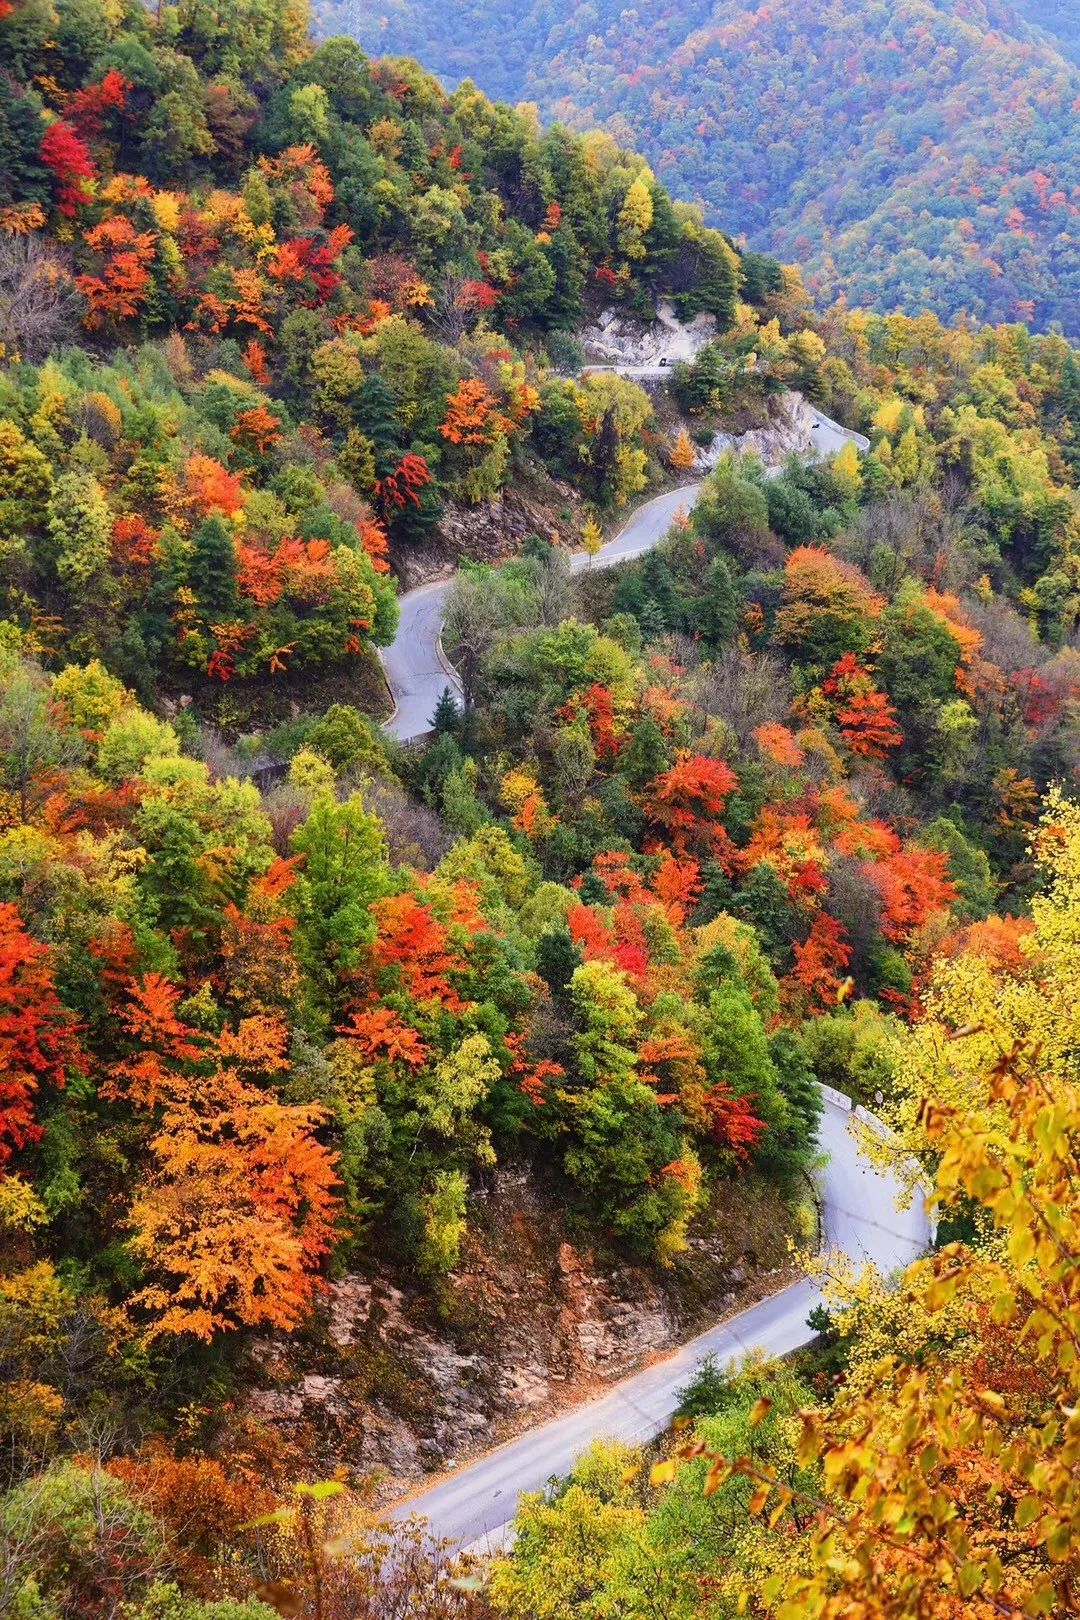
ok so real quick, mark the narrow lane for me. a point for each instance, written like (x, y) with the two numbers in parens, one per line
(417, 672)
(859, 1201)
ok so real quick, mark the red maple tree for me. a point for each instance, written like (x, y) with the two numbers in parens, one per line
(38, 1038)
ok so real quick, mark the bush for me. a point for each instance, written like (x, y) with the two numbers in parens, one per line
(346, 739)
(78, 1542)
(711, 1390)
(169, 1603)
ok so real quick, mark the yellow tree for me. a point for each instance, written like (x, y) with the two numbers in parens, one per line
(635, 218)
(950, 1465)
(592, 538)
(1013, 984)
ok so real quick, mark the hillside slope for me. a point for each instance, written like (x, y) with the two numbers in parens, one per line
(917, 154)
(354, 1098)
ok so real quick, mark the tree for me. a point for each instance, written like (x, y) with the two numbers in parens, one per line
(80, 528)
(347, 739)
(570, 1555)
(77, 1541)
(705, 276)
(608, 1018)
(592, 538)
(739, 1065)
(412, 949)
(688, 800)
(69, 159)
(120, 290)
(356, 461)
(38, 1038)
(682, 454)
(866, 718)
(212, 569)
(828, 608)
(635, 218)
(256, 429)
(32, 744)
(239, 1204)
(823, 956)
(238, 1210)
(476, 616)
(344, 870)
(446, 721)
(940, 1464)
(718, 607)
(471, 417)
(38, 301)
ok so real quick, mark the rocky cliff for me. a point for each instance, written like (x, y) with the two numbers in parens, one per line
(788, 431)
(531, 1322)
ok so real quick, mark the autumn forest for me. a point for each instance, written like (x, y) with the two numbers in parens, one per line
(338, 1068)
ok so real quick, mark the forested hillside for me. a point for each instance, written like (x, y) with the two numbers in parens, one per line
(286, 1010)
(346, 251)
(1059, 19)
(920, 154)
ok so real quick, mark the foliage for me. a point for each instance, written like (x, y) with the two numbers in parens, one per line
(278, 997)
(792, 128)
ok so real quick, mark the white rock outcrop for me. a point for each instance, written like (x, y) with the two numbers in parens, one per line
(619, 339)
(789, 431)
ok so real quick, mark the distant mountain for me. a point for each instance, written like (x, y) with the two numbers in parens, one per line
(910, 153)
(1058, 19)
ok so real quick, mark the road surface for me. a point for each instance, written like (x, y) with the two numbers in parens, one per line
(861, 1220)
(416, 668)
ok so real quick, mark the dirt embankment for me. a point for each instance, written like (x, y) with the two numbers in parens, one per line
(492, 530)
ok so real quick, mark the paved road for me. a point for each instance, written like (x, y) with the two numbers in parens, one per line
(418, 672)
(638, 372)
(830, 437)
(415, 666)
(861, 1220)
(859, 1201)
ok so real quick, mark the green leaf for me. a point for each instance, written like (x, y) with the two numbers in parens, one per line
(970, 1579)
(278, 1516)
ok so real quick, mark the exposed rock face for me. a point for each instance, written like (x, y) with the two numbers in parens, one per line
(788, 432)
(532, 1322)
(619, 339)
(494, 529)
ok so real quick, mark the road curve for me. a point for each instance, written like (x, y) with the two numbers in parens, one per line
(859, 1199)
(417, 670)
(859, 1203)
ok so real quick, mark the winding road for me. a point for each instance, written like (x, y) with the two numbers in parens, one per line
(859, 1199)
(418, 671)
(861, 1220)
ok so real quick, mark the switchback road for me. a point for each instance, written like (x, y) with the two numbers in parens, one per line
(859, 1199)
(416, 668)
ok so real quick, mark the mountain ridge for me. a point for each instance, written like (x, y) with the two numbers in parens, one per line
(912, 155)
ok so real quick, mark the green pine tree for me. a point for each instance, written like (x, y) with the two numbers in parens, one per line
(212, 570)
